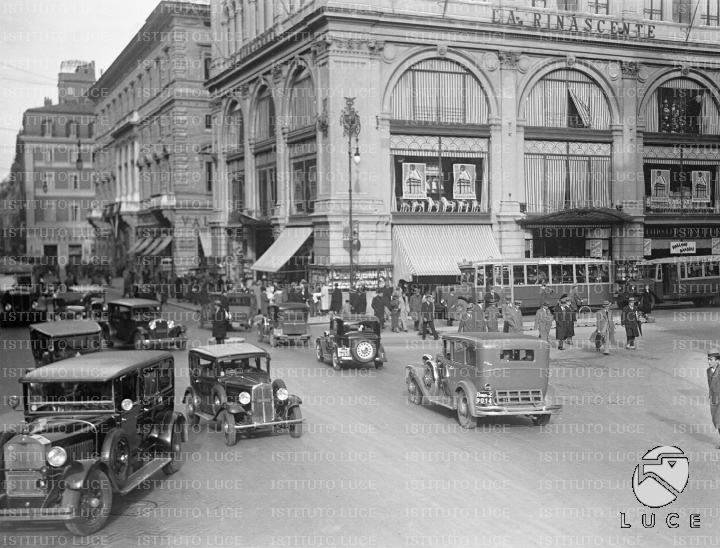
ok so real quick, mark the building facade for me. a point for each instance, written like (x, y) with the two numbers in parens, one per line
(152, 149)
(55, 172)
(521, 128)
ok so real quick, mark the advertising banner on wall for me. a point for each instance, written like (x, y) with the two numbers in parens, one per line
(414, 182)
(464, 182)
(682, 248)
(660, 185)
(700, 186)
(647, 247)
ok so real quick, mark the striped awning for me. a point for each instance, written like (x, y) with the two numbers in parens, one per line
(142, 242)
(287, 244)
(436, 250)
(160, 244)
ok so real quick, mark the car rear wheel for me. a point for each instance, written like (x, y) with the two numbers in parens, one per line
(414, 392)
(541, 420)
(319, 353)
(465, 419)
(296, 430)
(116, 452)
(336, 361)
(228, 428)
(175, 452)
(92, 504)
(190, 411)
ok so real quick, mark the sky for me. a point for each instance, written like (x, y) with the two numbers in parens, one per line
(36, 36)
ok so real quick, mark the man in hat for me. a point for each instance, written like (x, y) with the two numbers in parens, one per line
(427, 315)
(563, 322)
(414, 302)
(604, 332)
(492, 314)
(713, 376)
(336, 300)
(545, 292)
(219, 325)
(491, 295)
(543, 321)
(514, 318)
(630, 320)
(467, 319)
(507, 312)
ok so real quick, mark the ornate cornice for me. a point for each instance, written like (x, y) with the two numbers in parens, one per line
(509, 59)
(347, 46)
(630, 68)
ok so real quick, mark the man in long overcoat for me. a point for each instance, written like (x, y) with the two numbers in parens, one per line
(604, 329)
(336, 300)
(492, 314)
(563, 322)
(713, 376)
(219, 324)
(427, 316)
(378, 309)
(467, 319)
(506, 310)
(543, 321)
(631, 322)
(414, 302)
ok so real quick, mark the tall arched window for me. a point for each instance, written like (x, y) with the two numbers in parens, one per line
(235, 150)
(265, 157)
(440, 91)
(682, 105)
(301, 144)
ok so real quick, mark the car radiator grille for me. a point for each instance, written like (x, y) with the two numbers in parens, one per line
(509, 397)
(23, 460)
(262, 403)
(290, 328)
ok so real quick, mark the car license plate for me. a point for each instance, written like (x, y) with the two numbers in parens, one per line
(483, 398)
(343, 352)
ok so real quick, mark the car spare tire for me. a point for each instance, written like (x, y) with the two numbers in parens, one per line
(363, 351)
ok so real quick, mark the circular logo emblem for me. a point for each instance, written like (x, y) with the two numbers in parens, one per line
(661, 477)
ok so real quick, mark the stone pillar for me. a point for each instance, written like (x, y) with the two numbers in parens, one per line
(269, 14)
(260, 16)
(136, 172)
(249, 19)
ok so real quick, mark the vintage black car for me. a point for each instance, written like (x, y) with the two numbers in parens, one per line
(78, 301)
(352, 340)
(139, 322)
(231, 383)
(286, 322)
(21, 298)
(55, 341)
(94, 426)
(237, 305)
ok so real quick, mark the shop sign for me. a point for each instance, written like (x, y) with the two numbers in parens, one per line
(682, 248)
(682, 232)
(716, 246)
(647, 247)
(596, 249)
(186, 246)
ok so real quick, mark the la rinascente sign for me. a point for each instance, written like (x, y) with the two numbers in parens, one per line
(571, 23)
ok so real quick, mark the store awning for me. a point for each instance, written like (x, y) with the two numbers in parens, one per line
(161, 244)
(436, 250)
(206, 243)
(144, 246)
(142, 242)
(287, 244)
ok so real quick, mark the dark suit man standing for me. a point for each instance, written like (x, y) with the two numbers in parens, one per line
(563, 322)
(631, 322)
(427, 316)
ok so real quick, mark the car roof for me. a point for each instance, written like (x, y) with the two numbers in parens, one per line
(135, 302)
(490, 339)
(96, 367)
(66, 327)
(289, 306)
(229, 349)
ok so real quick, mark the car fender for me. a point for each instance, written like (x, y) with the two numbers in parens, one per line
(293, 401)
(77, 472)
(470, 391)
(162, 431)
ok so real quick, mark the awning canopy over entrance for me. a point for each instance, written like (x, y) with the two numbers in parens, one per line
(139, 244)
(279, 253)
(435, 250)
(206, 243)
(159, 246)
(588, 217)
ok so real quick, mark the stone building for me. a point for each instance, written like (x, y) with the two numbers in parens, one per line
(55, 172)
(154, 132)
(521, 128)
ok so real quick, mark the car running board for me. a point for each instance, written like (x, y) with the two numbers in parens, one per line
(144, 473)
(265, 424)
(445, 401)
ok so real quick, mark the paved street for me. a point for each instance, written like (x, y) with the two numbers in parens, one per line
(373, 470)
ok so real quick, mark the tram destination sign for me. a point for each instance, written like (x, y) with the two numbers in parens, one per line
(572, 23)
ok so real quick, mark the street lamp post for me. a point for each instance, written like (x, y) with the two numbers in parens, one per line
(350, 121)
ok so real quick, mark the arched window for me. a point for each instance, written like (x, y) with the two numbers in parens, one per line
(301, 148)
(235, 130)
(568, 98)
(265, 118)
(302, 102)
(440, 91)
(682, 105)
(265, 158)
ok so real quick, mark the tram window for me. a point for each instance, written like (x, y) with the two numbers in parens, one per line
(543, 276)
(711, 269)
(567, 274)
(481, 277)
(502, 275)
(694, 271)
(471, 276)
(580, 274)
(603, 274)
(519, 274)
(532, 274)
(557, 277)
(592, 272)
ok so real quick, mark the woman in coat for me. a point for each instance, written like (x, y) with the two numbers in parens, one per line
(604, 332)
(264, 301)
(395, 311)
(324, 299)
(404, 311)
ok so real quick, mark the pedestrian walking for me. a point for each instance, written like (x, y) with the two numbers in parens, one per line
(576, 303)
(336, 300)
(563, 322)
(543, 321)
(545, 292)
(427, 316)
(645, 301)
(414, 302)
(604, 332)
(467, 319)
(631, 322)
(395, 311)
(324, 298)
(264, 300)
(404, 311)
(347, 309)
(219, 325)
(379, 309)
(516, 319)
(492, 316)
(713, 376)
(507, 313)
(362, 300)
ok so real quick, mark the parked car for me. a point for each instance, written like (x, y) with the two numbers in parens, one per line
(486, 375)
(79, 301)
(236, 304)
(139, 322)
(285, 322)
(231, 383)
(21, 297)
(352, 341)
(55, 341)
(94, 426)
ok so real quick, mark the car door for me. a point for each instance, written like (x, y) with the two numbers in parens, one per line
(455, 364)
(120, 322)
(151, 402)
(127, 389)
(202, 378)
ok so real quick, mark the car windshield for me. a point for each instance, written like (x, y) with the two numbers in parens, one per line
(146, 314)
(58, 397)
(236, 366)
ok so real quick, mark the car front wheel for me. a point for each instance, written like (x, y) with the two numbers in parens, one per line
(414, 392)
(228, 428)
(319, 353)
(336, 362)
(541, 420)
(296, 429)
(175, 452)
(116, 452)
(190, 410)
(465, 419)
(92, 504)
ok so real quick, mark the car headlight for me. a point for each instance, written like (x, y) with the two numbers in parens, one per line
(282, 394)
(8, 307)
(105, 308)
(171, 324)
(152, 324)
(34, 304)
(244, 398)
(14, 401)
(57, 456)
